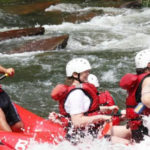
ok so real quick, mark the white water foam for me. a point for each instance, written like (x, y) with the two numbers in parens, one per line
(88, 144)
(74, 8)
(109, 76)
(64, 7)
(117, 29)
(7, 29)
(23, 59)
(124, 30)
(25, 54)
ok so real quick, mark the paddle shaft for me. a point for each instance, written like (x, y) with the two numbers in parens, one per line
(3, 76)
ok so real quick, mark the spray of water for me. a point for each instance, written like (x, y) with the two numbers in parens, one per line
(97, 144)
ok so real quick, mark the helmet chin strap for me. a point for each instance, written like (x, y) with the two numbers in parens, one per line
(78, 78)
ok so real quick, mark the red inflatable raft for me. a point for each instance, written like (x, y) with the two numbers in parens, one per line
(35, 129)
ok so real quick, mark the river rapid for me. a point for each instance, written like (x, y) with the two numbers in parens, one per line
(109, 41)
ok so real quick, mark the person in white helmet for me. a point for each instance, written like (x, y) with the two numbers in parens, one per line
(80, 103)
(138, 100)
(106, 102)
(93, 80)
(77, 102)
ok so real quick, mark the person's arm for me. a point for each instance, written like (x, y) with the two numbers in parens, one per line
(75, 105)
(9, 71)
(113, 109)
(79, 120)
(145, 95)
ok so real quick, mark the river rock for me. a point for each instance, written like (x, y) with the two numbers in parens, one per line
(133, 4)
(21, 32)
(30, 8)
(44, 44)
(81, 17)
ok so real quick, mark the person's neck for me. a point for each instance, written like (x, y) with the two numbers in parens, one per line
(147, 71)
(75, 82)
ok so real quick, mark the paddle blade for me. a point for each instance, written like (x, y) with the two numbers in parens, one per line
(105, 129)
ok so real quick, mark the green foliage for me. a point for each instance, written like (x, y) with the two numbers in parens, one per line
(146, 3)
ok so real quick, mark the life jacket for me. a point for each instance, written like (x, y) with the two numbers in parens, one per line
(61, 92)
(105, 99)
(133, 83)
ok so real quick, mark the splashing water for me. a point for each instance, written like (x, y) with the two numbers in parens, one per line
(101, 144)
(64, 7)
(121, 32)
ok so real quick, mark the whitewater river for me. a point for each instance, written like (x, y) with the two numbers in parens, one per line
(109, 41)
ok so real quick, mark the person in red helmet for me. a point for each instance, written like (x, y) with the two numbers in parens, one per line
(9, 118)
(78, 100)
(138, 99)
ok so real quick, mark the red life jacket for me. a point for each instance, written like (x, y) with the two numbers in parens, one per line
(61, 91)
(105, 99)
(132, 83)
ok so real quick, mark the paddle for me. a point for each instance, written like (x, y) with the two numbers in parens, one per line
(105, 130)
(4, 76)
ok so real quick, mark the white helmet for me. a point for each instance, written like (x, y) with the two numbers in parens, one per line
(77, 65)
(142, 58)
(93, 79)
